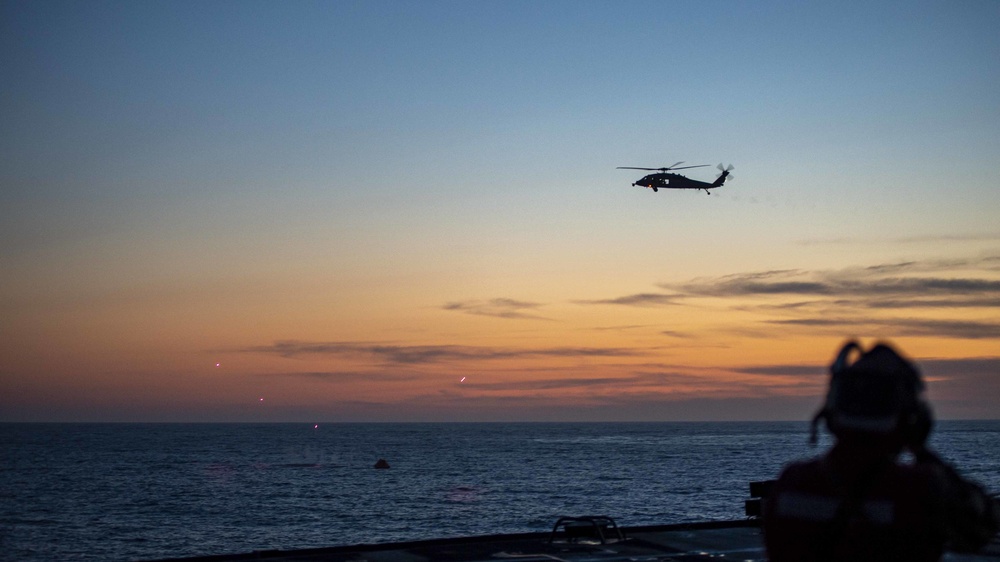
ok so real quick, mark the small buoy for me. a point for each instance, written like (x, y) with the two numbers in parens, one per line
(381, 464)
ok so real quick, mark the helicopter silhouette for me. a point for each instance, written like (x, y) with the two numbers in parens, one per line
(677, 181)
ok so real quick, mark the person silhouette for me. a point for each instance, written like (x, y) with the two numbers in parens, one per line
(860, 501)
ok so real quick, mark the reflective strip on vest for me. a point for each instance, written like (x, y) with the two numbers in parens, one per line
(819, 509)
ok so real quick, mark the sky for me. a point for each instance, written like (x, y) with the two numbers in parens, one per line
(411, 211)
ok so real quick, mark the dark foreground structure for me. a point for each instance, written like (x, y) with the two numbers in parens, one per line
(573, 539)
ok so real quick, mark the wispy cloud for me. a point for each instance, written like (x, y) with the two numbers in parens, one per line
(853, 282)
(497, 308)
(966, 329)
(662, 381)
(426, 354)
(638, 299)
(972, 237)
(961, 329)
(884, 299)
(676, 334)
(622, 328)
(952, 301)
(969, 386)
(931, 367)
(547, 384)
(962, 367)
(809, 370)
(346, 376)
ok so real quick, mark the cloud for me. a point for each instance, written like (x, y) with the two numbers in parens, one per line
(296, 348)
(885, 299)
(958, 387)
(497, 308)
(623, 328)
(548, 384)
(961, 367)
(963, 387)
(972, 237)
(676, 334)
(426, 354)
(957, 301)
(667, 382)
(932, 367)
(844, 283)
(638, 299)
(784, 370)
(961, 329)
(346, 376)
(966, 329)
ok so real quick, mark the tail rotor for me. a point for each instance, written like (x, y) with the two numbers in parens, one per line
(724, 175)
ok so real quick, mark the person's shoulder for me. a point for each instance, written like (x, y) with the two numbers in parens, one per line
(970, 514)
(932, 479)
(801, 471)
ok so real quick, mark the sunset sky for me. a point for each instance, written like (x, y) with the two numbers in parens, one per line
(410, 211)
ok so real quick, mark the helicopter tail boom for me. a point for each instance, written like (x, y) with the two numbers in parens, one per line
(722, 177)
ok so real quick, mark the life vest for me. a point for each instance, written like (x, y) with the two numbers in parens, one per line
(884, 512)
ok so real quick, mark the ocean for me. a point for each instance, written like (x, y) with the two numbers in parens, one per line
(141, 491)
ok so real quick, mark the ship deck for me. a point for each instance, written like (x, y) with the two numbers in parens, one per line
(727, 540)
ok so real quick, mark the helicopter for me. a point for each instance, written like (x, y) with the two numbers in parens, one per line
(677, 181)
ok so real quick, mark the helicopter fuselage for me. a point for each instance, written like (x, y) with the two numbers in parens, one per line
(677, 181)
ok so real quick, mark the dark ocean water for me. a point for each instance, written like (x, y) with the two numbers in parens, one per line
(141, 491)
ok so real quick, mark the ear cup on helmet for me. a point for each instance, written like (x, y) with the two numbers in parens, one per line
(917, 424)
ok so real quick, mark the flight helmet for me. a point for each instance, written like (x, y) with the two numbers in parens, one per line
(878, 393)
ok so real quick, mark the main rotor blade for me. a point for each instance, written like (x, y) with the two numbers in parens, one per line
(660, 169)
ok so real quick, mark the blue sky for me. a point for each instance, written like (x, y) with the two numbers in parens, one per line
(347, 170)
